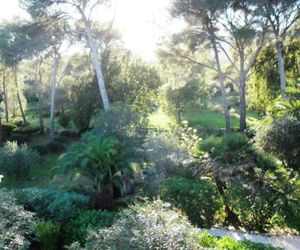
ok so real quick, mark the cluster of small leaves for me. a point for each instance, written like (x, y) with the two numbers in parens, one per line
(16, 224)
(151, 225)
(17, 161)
(47, 234)
(52, 204)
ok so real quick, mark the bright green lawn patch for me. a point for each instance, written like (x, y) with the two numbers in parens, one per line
(208, 118)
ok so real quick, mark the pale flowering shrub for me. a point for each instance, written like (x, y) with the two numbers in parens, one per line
(148, 225)
(16, 224)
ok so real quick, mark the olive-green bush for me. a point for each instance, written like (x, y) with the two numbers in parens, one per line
(16, 161)
(47, 234)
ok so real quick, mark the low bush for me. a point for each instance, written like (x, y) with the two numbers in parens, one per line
(47, 235)
(41, 149)
(90, 220)
(230, 149)
(255, 205)
(17, 161)
(19, 138)
(152, 225)
(55, 147)
(51, 204)
(6, 130)
(64, 120)
(198, 199)
(281, 138)
(16, 224)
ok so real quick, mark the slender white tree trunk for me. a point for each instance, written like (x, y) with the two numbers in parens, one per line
(222, 83)
(97, 63)
(281, 66)
(53, 94)
(18, 95)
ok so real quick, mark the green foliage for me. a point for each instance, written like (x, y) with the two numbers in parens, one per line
(206, 240)
(17, 161)
(6, 130)
(122, 122)
(84, 101)
(41, 149)
(288, 104)
(64, 120)
(91, 220)
(151, 225)
(180, 99)
(198, 199)
(55, 147)
(47, 235)
(231, 148)
(281, 138)
(52, 204)
(226, 243)
(103, 160)
(255, 204)
(16, 224)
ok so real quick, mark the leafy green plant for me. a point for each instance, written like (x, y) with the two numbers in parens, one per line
(101, 159)
(47, 235)
(91, 220)
(207, 240)
(16, 224)
(17, 161)
(52, 204)
(198, 199)
(64, 120)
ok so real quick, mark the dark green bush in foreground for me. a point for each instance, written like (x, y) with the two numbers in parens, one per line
(51, 204)
(198, 199)
(90, 220)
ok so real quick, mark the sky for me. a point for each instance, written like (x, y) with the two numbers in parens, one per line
(143, 23)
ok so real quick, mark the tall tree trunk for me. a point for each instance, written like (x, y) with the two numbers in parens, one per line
(5, 96)
(281, 66)
(96, 61)
(243, 108)
(222, 82)
(38, 82)
(18, 95)
(53, 94)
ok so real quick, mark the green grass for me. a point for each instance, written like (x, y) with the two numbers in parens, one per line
(201, 119)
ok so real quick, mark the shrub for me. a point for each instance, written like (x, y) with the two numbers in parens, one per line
(231, 148)
(281, 138)
(19, 138)
(52, 204)
(41, 149)
(16, 224)
(255, 205)
(17, 161)
(152, 225)
(90, 220)
(6, 130)
(47, 235)
(122, 122)
(64, 120)
(55, 147)
(198, 199)
(206, 240)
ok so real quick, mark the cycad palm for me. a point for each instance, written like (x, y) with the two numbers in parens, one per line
(101, 159)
